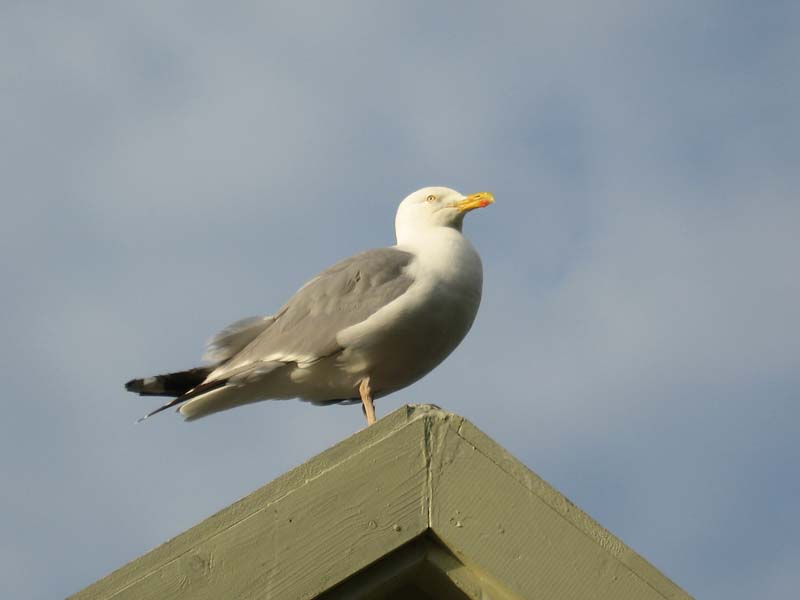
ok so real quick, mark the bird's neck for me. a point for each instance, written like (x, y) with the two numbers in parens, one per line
(423, 236)
(443, 250)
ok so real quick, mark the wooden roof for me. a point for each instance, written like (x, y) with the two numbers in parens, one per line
(419, 505)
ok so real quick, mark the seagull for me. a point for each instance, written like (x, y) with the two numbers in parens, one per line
(365, 327)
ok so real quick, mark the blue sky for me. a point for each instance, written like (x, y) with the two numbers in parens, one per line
(171, 167)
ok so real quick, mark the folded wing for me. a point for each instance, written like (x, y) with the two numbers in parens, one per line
(304, 330)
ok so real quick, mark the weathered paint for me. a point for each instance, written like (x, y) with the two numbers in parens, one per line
(358, 510)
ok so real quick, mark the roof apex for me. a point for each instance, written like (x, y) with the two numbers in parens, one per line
(419, 471)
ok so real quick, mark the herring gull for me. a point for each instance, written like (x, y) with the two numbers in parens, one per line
(368, 326)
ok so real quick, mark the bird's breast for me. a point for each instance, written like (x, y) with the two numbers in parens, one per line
(406, 339)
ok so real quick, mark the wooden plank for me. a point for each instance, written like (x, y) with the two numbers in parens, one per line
(383, 577)
(425, 564)
(499, 517)
(475, 584)
(300, 534)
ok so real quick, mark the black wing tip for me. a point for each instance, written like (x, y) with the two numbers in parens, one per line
(144, 386)
(169, 384)
(134, 385)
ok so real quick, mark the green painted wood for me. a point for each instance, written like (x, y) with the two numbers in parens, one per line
(524, 532)
(425, 564)
(398, 572)
(299, 535)
(532, 523)
(339, 519)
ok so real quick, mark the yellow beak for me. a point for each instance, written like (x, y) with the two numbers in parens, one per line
(474, 201)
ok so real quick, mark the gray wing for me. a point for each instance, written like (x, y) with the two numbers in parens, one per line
(305, 328)
(234, 338)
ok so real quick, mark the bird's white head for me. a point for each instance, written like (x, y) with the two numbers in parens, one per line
(435, 207)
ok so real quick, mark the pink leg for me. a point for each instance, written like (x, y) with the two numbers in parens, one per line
(366, 399)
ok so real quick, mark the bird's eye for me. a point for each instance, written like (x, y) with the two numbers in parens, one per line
(430, 198)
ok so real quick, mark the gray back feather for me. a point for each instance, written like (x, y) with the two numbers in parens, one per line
(342, 295)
